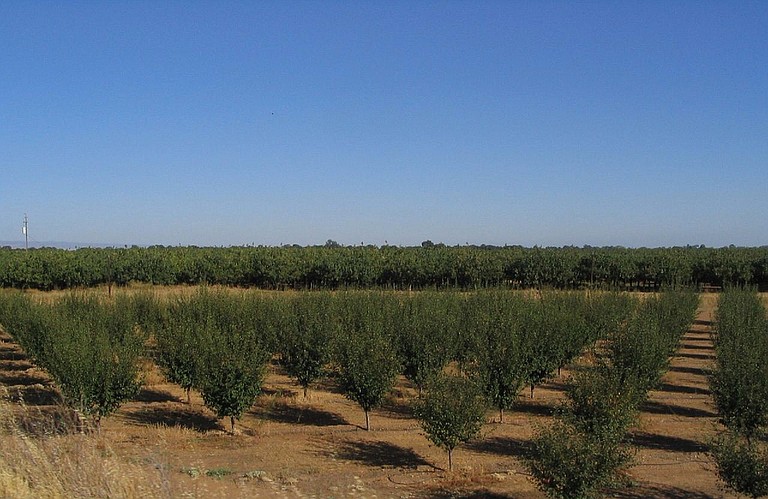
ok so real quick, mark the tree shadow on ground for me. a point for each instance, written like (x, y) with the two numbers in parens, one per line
(280, 392)
(328, 384)
(47, 420)
(695, 346)
(667, 387)
(501, 446)
(19, 378)
(36, 394)
(676, 410)
(378, 454)
(467, 494)
(169, 416)
(532, 408)
(15, 365)
(699, 371)
(641, 491)
(699, 322)
(666, 442)
(9, 354)
(150, 395)
(554, 385)
(309, 416)
(699, 356)
(398, 408)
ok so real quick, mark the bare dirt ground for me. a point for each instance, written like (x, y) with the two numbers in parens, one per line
(286, 446)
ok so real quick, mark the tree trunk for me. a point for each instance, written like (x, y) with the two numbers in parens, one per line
(189, 400)
(501, 414)
(531, 390)
(450, 459)
(305, 393)
(367, 421)
(232, 422)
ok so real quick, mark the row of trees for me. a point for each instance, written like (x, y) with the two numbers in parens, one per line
(219, 342)
(586, 447)
(739, 385)
(90, 348)
(363, 340)
(389, 267)
(493, 342)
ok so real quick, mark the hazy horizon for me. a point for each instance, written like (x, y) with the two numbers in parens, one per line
(636, 124)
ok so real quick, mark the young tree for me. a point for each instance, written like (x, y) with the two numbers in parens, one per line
(232, 358)
(365, 354)
(177, 351)
(571, 464)
(426, 325)
(306, 342)
(739, 380)
(93, 355)
(497, 359)
(739, 385)
(451, 413)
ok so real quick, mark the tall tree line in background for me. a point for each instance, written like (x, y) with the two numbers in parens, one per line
(386, 267)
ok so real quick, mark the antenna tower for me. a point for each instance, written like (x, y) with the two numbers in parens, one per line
(25, 230)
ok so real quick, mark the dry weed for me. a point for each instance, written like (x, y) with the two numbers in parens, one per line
(66, 464)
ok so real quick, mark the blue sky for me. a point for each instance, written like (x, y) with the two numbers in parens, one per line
(533, 123)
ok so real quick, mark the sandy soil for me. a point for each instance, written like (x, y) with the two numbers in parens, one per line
(286, 446)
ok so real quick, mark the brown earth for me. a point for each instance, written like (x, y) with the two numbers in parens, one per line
(286, 446)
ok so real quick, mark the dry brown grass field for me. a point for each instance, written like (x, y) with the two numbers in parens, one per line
(286, 446)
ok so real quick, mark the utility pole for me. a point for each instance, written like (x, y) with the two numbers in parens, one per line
(25, 230)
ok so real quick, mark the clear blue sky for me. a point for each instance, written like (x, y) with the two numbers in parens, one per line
(534, 123)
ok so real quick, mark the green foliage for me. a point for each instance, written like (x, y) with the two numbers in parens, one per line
(600, 403)
(178, 345)
(451, 413)
(89, 347)
(219, 473)
(739, 381)
(640, 351)
(742, 465)
(231, 356)
(388, 267)
(95, 354)
(427, 333)
(307, 338)
(365, 353)
(568, 463)
(497, 361)
(584, 450)
(147, 311)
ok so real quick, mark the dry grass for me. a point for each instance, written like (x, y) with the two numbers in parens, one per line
(68, 464)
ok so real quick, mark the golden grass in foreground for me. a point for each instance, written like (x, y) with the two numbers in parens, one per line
(67, 465)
